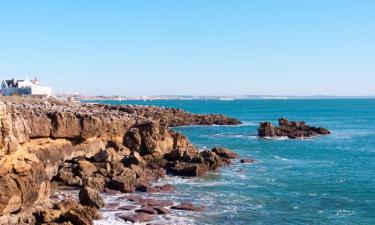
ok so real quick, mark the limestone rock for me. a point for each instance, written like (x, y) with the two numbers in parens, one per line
(91, 197)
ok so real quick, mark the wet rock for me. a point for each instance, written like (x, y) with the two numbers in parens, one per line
(153, 202)
(212, 159)
(139, 217)
(112, 205)
(290, 129)
(77, 214)
(167, 188)
(147, 210)
(162, 210)
(187, 169)
(131, 198)
(189, 207)
(127, 207)
(91, 197)
(225, 153)
(247, 161)
(111, 192)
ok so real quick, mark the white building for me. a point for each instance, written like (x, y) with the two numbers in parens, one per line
(24, 87)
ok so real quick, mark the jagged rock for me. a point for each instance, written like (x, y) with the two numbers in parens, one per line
(23, 181)
(125, 181)
(83, 145)
(139, 217)
(187, 169)
(225, 153)
(103, 168)
(134, 159)
(211, 159)
(50, 215)
(290, 129)
(149, 138)
(96, 183)
(91, 197)
(247, 161)
(86, 168)
(175, 117)
(107, 155)
(77, 214)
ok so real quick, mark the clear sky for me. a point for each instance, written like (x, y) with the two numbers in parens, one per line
(198, 47)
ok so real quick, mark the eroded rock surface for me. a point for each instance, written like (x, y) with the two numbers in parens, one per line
(96, 148)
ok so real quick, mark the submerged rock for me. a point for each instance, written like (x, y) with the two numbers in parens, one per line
(139, 217)
(189, 207)
(247, 161)
(225, 153)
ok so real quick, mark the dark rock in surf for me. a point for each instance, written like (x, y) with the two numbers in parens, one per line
(290, 129)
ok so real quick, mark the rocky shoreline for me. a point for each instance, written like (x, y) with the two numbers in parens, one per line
(96, 149)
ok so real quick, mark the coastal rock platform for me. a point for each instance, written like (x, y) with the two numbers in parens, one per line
(94, 148)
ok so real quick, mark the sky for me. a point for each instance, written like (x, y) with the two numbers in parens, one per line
(191, 47)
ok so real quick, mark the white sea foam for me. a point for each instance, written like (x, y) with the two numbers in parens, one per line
(277, 138)
(281, 158)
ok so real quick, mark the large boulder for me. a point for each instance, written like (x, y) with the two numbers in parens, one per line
(187, 169)
(225, 153)
(125, 181)
(189, 207)
(107, 155)
(290, 129)
(91, 197)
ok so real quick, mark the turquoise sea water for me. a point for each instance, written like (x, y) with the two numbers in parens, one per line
(323, 180)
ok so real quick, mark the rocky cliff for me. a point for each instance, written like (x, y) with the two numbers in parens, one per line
(102, 147)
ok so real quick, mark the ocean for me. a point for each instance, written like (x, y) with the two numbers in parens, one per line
(322, 180)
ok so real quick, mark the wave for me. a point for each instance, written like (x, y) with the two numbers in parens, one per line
(277, 138)
(281, 158)
(235, 136)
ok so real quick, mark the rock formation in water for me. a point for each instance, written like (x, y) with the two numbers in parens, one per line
(96, 148)
(290, 129)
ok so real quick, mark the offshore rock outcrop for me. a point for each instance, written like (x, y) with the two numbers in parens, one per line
(93, 147)
(290, 129)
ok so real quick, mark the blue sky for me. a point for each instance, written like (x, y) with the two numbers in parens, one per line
(198, 47)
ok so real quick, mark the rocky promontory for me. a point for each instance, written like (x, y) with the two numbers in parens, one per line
(94, 148)
(290, 129)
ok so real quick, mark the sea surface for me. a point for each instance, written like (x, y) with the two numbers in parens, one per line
(323, 180)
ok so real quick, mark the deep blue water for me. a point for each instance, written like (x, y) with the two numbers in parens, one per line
(323, 180)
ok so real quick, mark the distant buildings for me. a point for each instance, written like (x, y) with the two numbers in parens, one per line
(25, 87)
